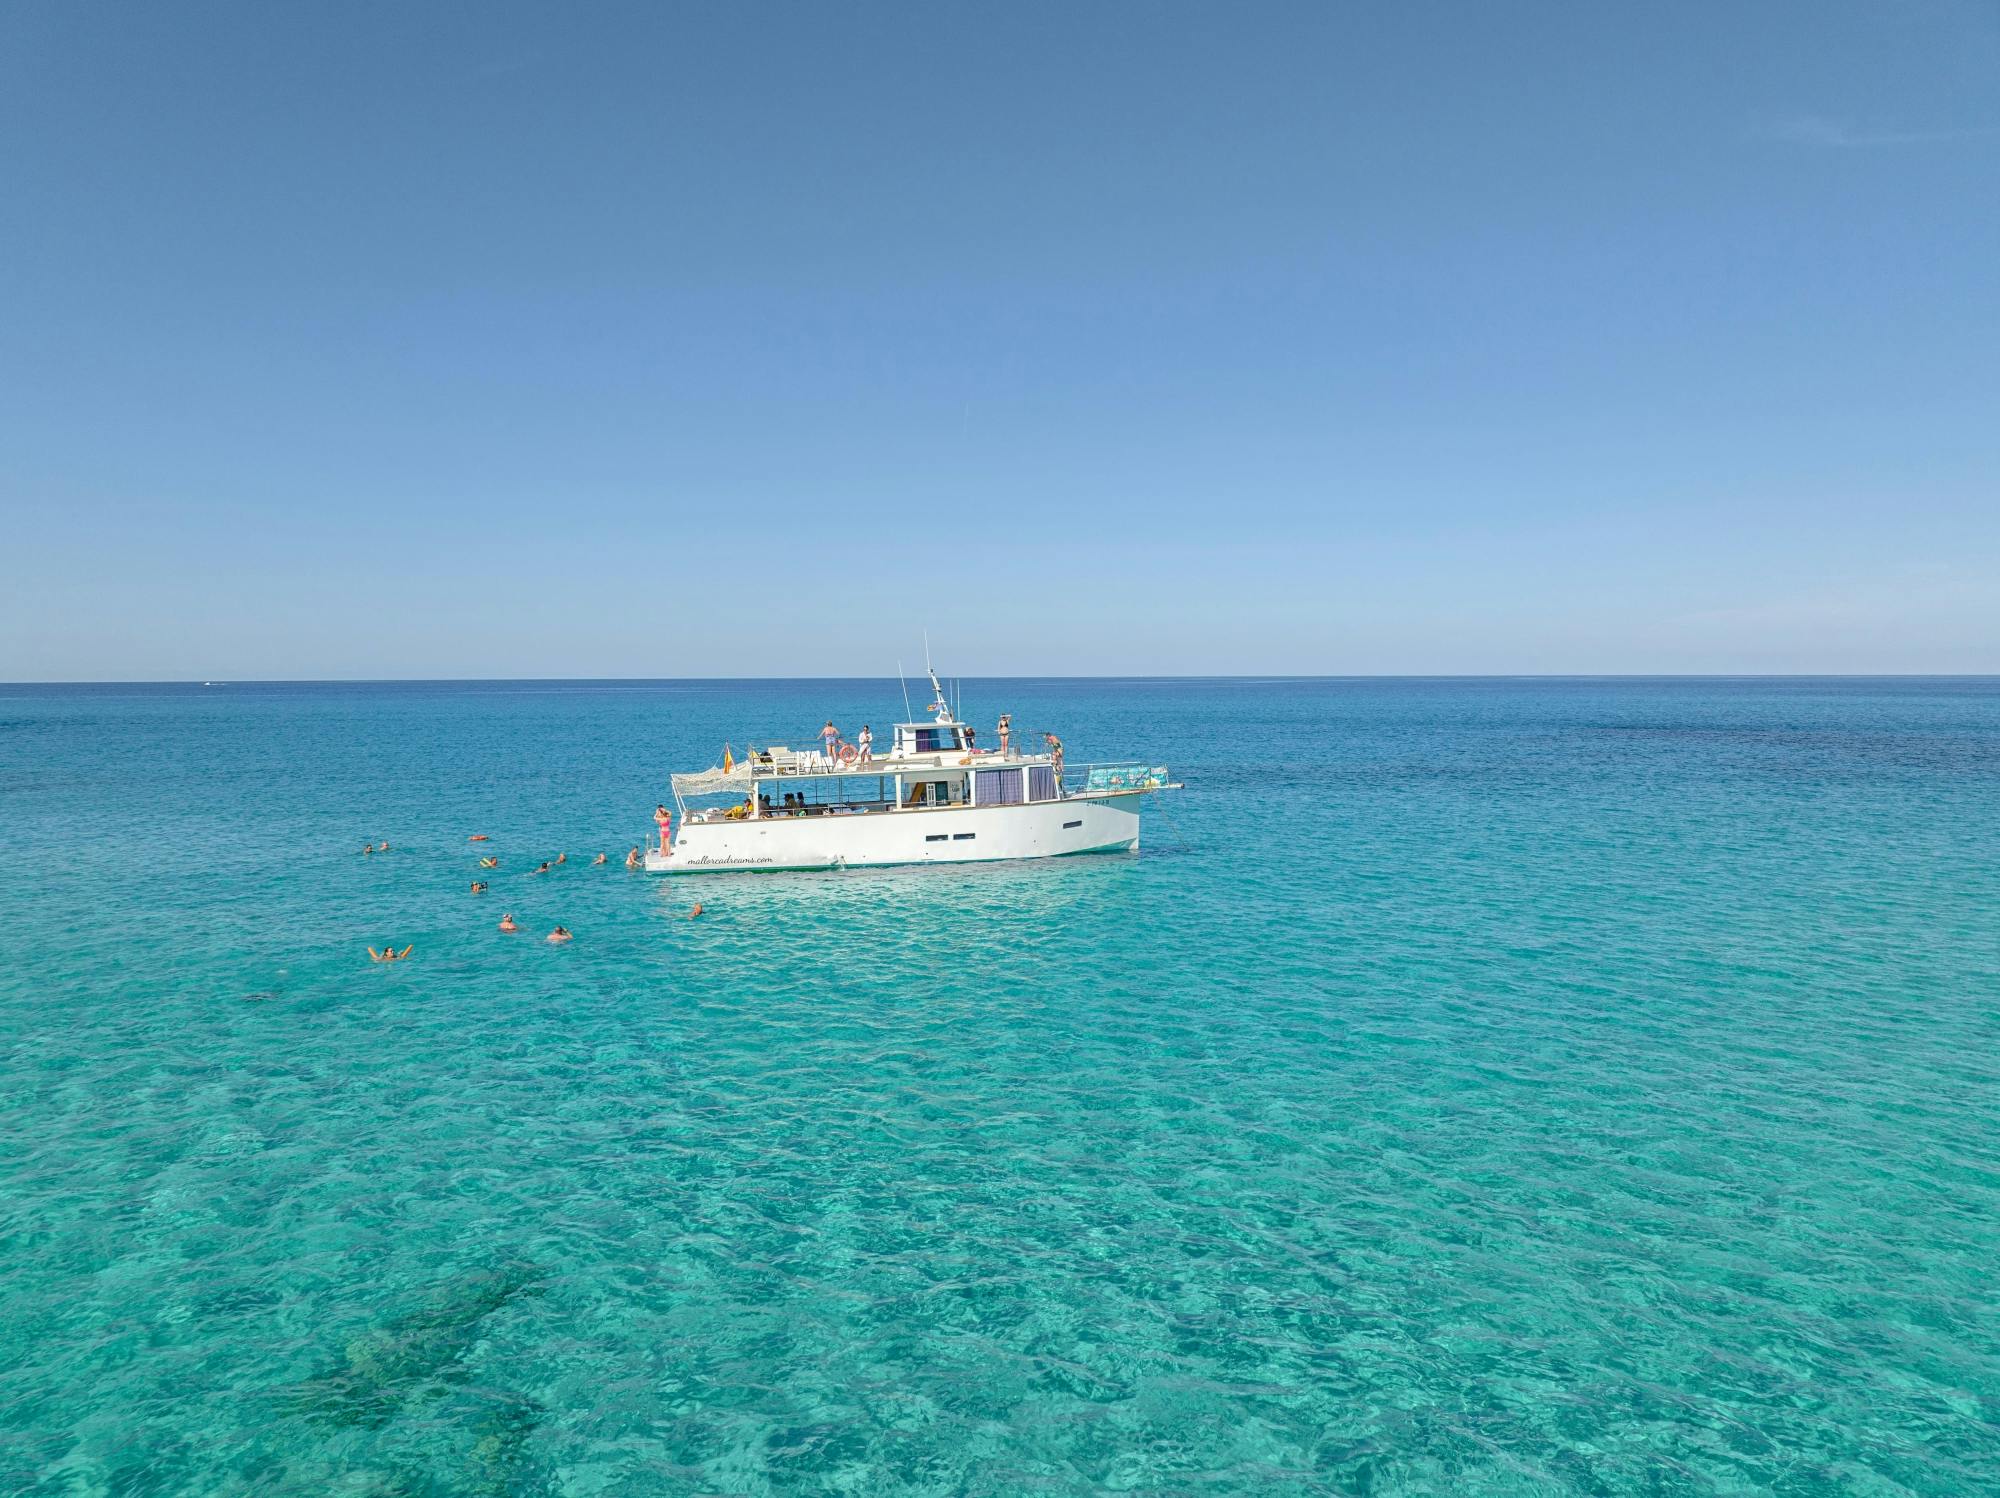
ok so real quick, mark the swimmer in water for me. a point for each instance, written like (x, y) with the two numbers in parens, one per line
(479, 886)
(562, 858)
(367, 847)
(389, 953)
(489, 863)
(561, 933)
(507, 923)
(384, 848)
(601, 858)
(696, 911)
(632, 859)
(543, 869)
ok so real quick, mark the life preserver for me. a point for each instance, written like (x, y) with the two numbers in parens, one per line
(848, 754)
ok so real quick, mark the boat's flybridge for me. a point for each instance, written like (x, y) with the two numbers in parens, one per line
(838, 807)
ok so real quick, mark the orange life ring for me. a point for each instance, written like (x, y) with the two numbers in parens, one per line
(848, 754)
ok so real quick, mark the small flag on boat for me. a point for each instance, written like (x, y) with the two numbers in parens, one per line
(728, 760)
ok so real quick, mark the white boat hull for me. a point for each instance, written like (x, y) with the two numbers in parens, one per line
(952, 834)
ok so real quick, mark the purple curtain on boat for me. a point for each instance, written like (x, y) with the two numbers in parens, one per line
(997, 787)
(1041, 783)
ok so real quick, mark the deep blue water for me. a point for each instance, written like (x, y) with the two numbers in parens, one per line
(1472, 1087)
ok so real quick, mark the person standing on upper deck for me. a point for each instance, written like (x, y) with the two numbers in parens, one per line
(830, 736)
(866, 744)
(1006, 729)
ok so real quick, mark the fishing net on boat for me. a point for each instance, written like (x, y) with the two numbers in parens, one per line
(716, 782)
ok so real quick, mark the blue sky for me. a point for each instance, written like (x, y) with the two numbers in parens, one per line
(393, 340)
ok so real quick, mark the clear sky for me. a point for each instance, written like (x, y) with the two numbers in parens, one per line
(654, 340)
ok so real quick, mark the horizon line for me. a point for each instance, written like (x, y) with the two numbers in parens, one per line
(1245, 676)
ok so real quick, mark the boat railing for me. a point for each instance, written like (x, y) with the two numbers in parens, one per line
(815, 762)
(1094, 777)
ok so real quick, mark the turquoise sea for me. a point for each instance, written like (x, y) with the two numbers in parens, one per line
(1492, 1087)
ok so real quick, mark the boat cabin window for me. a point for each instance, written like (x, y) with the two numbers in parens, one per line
(929, 793)
(940, 738)
(998, 787)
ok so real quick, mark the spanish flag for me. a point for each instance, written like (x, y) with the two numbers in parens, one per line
(728, 760)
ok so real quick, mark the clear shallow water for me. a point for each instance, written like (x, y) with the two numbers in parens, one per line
(1573, 1087)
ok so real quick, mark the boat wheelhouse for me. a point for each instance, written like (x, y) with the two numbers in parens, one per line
(933, 797)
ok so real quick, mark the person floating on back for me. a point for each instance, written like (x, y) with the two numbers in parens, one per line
(389, 953)
(489, 863)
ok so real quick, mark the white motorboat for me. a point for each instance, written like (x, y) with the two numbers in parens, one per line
(932, 798)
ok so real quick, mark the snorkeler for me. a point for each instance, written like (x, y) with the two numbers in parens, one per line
(561, 933)
(479, 886)
(507, 923)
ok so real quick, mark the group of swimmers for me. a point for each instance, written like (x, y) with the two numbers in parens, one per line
(559, 935)
(388, 953)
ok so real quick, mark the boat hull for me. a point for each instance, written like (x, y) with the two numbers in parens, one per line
(955, 834)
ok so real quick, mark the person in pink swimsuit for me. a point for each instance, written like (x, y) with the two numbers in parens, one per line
(665, 820)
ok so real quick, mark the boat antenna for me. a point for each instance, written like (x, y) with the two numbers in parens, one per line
(940, 707)
(907, 714)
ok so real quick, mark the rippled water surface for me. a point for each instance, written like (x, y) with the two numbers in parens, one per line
(1472, 1087)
